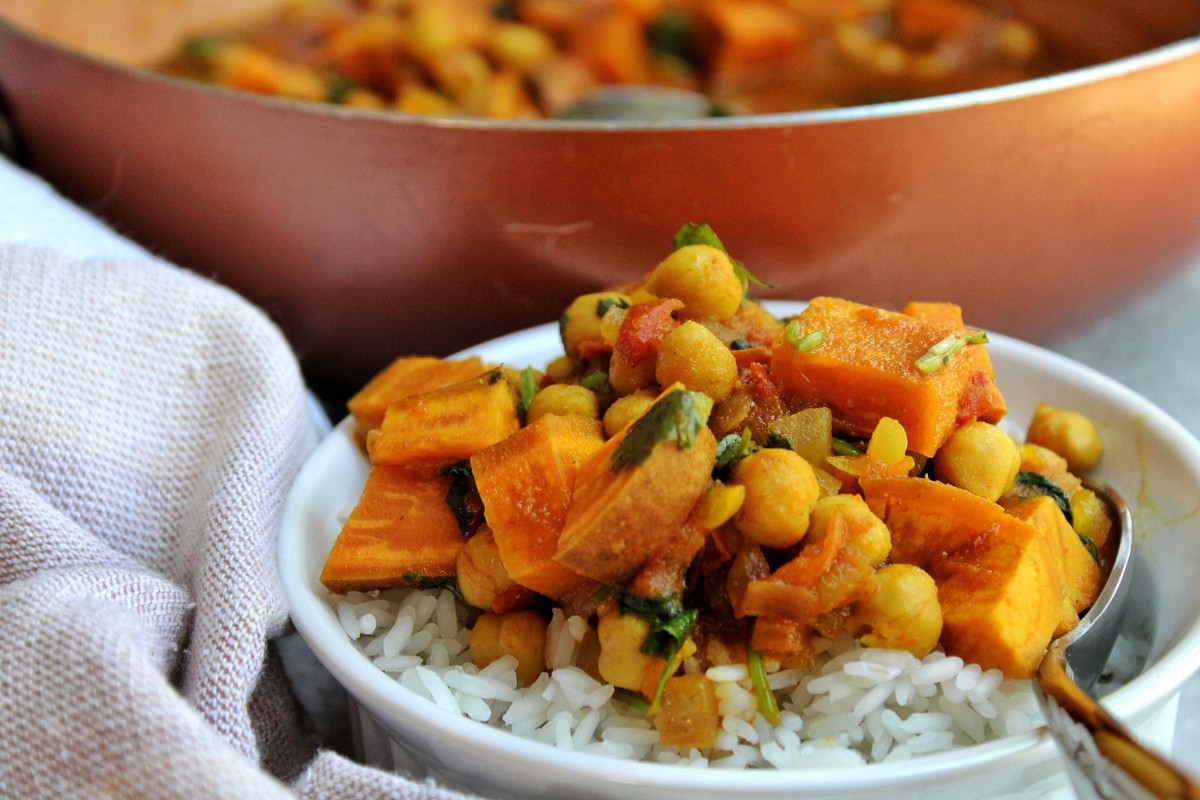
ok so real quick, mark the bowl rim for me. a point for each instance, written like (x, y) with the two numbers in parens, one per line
(379, 693)
(1179, 49)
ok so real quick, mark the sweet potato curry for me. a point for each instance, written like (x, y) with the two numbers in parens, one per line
(706, 482)
(536, 58)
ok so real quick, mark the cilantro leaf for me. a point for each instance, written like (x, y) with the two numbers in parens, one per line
(528, 390)
(700, 233)
(678, 417)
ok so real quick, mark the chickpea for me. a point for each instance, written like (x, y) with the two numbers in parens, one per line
(694, 356)
(625, 410)
(481, 574)
(1068, 433)
(564, 399)
(702, 277)
(622, 662)
(718, 504)
(903, 613)
(1089, 516)
(626, 378)
(781, 491)
(870, 538)
(520, 47)
(580, 322)
(980, 458)
(1036, 458)
(520, 634)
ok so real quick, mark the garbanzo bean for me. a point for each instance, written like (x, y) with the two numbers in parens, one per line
(580, 322)
(520, 47)
(980, 458)
(625, 410)
(520, 634)
(1068, 433)
(480, 572)
(622, 662)
(702, 277)
(781, 491)
(564, 399)
(694, 356)
(626, 378)
(870, 539)
(903, 613)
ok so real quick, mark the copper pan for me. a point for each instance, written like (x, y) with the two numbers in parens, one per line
(1039, 206)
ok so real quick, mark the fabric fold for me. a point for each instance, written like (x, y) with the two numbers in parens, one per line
(151, 423)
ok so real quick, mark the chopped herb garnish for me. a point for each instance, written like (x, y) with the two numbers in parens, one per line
(801, 344)
(462, 496)
(678, 417)
(632, 698)
(200, 49)
(430, 583)
(731, 448)
(528, 390)
(670, 623)
(605, 303)
(778, 441)
(938, 356)
(767, 705)
(670, 626)
(1040, 484)
(845, 447)
(671, 35)
(1089, 544)
(594, 380)
(700, 233)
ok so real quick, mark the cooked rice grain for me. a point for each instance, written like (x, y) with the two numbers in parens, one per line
(858, 706)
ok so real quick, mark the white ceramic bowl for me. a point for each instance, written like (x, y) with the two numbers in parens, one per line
(1149, 457)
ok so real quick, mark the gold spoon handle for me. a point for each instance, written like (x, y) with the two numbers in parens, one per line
(1104, 759)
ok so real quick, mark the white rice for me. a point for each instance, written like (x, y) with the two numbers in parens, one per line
(857, 706)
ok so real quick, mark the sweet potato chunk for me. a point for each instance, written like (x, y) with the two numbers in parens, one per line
(405, 377)
(400, 526)
(618, 519)
(525, 482)
(865, 369)
(446, 424)
(1000, 578)
(1082, 577)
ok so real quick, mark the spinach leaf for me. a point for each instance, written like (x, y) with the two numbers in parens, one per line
(462, 496)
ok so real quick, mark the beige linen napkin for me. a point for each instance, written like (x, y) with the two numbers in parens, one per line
(150, 425)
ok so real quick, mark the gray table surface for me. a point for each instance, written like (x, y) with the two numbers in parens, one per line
(1151, 346)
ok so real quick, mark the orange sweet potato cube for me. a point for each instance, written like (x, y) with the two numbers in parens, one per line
(1000, 579)
(405, 377)
(618, 520)
(865, 369)
(400, 526)
(1082, 576)
(446, 424)
(525, 482)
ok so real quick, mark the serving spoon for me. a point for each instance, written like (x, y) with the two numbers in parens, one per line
(1104, 761)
